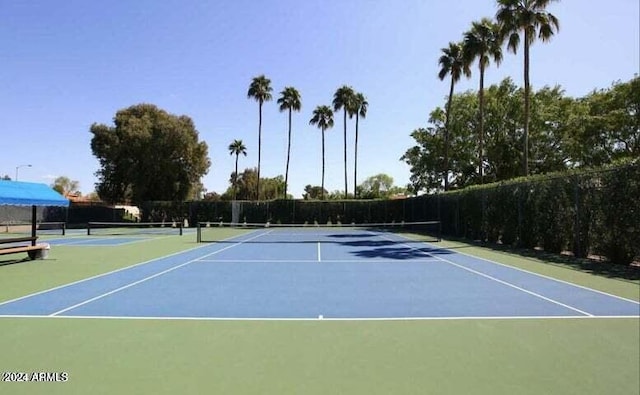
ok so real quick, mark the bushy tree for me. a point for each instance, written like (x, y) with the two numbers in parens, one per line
(65, 186)
(270, 188)
(314, 192)
(147, 155)
(565, 132)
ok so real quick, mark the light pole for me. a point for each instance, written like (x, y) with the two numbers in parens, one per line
(17, 168)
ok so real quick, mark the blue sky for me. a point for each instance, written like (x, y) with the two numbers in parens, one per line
(67, 64)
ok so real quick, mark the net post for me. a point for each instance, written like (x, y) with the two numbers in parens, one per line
(88, 228)
(64, 228)
(199, 233)
(180, 227)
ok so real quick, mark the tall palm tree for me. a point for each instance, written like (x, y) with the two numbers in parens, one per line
(236, 148)
(452, 62)
(530, 18)
(360, 109)
(260, 90)
(289, 100)
(344, 99)
(323, 118)
(483, 42)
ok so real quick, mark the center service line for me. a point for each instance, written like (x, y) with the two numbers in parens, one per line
(152, 276)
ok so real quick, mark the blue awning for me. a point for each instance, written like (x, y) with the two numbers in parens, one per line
(18, 193)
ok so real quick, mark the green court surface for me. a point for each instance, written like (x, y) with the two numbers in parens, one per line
(462, 356)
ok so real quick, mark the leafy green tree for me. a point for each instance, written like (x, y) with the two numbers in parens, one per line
(270, 188)
(360, 109)
(236, 148)
(260, 90)
(314, 192)
(503, 130)
(211, 197)
(322, 118)
(289, 101)
(344, 99)
(65, 186)
(378, 186)
(530, 18)
(245, 184)
(453, 63)
(611, 126)
(482, 42)
(147, 155)
(598, 129)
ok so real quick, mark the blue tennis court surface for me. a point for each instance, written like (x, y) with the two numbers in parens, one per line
(270, 274)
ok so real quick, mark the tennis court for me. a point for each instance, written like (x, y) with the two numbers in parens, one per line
(310, 310)
(313, 273)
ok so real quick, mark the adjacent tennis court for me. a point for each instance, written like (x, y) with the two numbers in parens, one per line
(328, 306)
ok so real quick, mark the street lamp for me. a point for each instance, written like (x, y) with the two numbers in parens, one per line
(18, 167)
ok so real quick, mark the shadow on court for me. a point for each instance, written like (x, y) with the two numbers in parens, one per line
(400, 253)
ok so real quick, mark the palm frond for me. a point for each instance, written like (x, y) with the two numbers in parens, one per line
(260, 89)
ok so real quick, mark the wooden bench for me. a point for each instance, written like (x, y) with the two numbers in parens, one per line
(31, 249)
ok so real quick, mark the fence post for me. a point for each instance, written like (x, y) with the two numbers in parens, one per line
(519, 232)
(576, 231)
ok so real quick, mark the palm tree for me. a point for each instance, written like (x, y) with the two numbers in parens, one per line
(344, 99)
(289, 100)
(236, 148)
(360, 106)
(483, 41)
(323, 118)
(260, 90)
(530, 18)
(452, 63)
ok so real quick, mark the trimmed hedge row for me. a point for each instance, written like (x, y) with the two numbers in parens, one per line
(585, 212)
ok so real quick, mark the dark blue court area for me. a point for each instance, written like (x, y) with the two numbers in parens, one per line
(276, 274)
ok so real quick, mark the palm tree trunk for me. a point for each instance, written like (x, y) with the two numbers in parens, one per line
(286, 174)
(481, 136)
(345, 152)
(446, 138)
(355, 162)
(526, 104)
(322, 187)
(235, 179)
(259, 148)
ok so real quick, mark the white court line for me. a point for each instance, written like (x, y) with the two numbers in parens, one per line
(319, 256)
(344, 319)
(504, 283)
(364, 261)
(151, 277)
(534, 273)
(113, 271)
(524, 271)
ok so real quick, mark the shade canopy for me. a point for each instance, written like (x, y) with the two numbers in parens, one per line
(18, 193)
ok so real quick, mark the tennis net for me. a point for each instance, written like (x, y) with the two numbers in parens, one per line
(24, 228)
(134, 228)
(314, 233)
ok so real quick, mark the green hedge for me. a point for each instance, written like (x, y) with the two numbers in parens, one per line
(585, 212)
